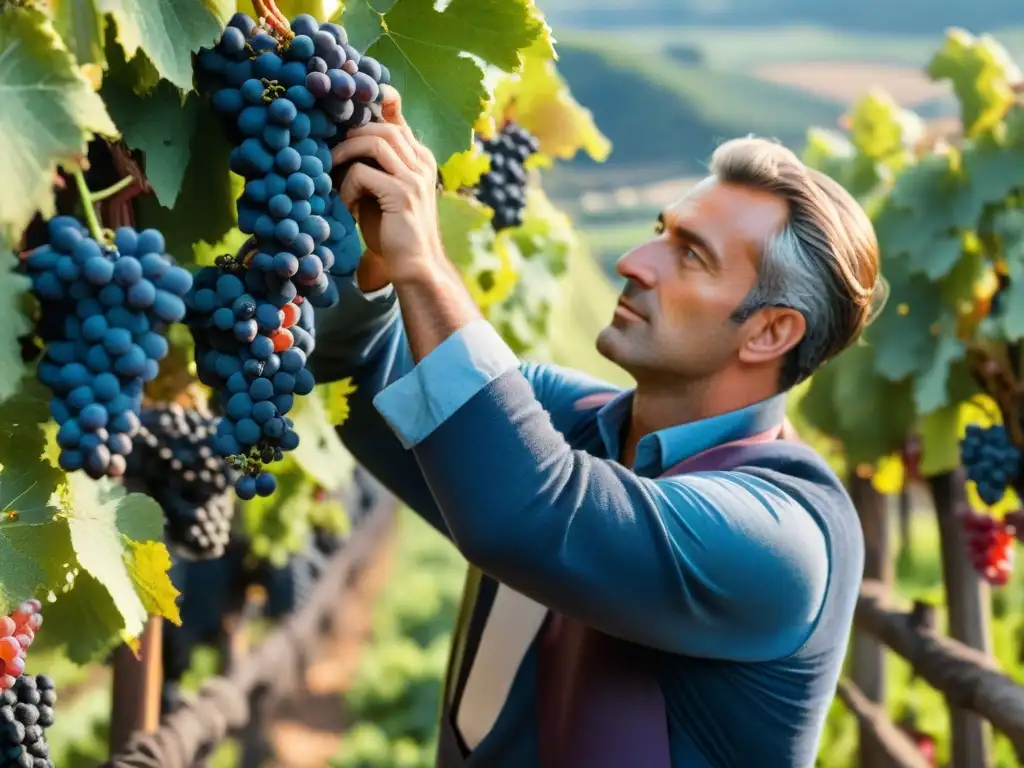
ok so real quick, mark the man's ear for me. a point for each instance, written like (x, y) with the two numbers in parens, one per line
(771, 334)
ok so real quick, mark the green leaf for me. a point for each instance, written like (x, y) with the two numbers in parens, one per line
(930, 387)
(363, 19)
(13, 324)
(993, 170)
(983, 76)
(940, 441)
(104, 521)
(159, 125)
(844, 400)
(320, 453)
(85, 619)
(23, 418)
(35, 546)
(292, 8)
(880, 129)
(902, 335)
(207, 213)
(467, 233)
(941, 256)
(443, 92)
(81, 27)
(169, 31)
(49, 113)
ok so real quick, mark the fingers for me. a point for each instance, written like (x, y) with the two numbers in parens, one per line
(376, 148)
(391, 105)
(390, 134)
(363, 181)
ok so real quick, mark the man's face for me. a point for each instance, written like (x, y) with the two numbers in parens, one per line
(673, 319)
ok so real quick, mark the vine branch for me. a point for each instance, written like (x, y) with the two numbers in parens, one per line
(87, 205)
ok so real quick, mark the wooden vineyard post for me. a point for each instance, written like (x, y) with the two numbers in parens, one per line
(137, 684)
(968, 602)
(868, 667)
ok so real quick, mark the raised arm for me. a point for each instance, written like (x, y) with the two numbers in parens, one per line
(363, 337)
(723, 565)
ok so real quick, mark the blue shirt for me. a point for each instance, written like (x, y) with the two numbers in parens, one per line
(744, 582)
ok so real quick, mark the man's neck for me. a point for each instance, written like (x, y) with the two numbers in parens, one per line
(656, 407)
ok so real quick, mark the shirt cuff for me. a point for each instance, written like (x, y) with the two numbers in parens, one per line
(443, 381)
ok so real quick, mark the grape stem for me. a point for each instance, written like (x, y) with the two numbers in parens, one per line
(87, 204)
(112, 190)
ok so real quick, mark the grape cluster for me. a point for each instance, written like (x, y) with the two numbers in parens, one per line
(104, 310)
(26, 711)
(175, 461)
(990, 547)
(17, 633)
(289, 587)
(990, 460)
(287, 101)
(503, 187)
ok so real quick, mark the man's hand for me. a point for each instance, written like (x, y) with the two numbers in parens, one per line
(396, 207)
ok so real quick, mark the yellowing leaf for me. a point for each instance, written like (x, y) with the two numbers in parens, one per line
(983, 75)
(539, 99)
(888, 476)
(334, 396)
(148, 564)
(104, 521)
(880, 129)
(464, 169)
(493, 286)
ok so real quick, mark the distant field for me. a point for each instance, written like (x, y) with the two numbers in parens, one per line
(848, 81)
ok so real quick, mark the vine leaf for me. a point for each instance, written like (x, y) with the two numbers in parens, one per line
(104, 522)
(335, 398)
(13, 324)
(160, 124)
(207, 213)
(169, 31)
(149, 564)
(34, 556)
(983, 75)
(291, 8)
(320, 453)
(931, 385)
(81, 28)
(443, 92)
(540, 101)
(940, 440)
(49, 113)
(85, 618)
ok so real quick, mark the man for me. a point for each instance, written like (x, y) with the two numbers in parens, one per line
(636, 599)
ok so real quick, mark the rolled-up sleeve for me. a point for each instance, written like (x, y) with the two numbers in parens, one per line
(715, 564)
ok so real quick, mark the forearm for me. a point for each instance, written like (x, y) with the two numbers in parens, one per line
(435, 306)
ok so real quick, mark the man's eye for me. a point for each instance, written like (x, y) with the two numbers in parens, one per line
(691, 254)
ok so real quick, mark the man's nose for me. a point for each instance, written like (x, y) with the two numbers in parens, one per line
(639, 266)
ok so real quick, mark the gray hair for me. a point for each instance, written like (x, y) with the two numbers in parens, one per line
(822, 263)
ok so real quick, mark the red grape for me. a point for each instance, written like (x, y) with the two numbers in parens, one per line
(990, 547)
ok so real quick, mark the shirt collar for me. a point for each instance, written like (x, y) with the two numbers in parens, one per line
(665, 448)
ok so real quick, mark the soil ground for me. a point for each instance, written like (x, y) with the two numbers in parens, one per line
(306, 727)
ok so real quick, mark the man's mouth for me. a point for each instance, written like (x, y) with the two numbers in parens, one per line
(626, 311)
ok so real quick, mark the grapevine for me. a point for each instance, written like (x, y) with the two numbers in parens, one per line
(287, 101)
(105, 299)
(503, 187)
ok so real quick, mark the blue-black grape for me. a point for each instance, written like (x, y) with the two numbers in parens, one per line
(26, 712)
(503, 187)
(104, 312)
(990, 459)
(286, 103)
(174, 461)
